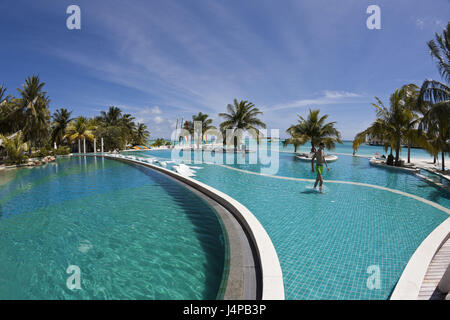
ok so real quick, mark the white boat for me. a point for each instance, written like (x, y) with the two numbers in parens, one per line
(308, 157)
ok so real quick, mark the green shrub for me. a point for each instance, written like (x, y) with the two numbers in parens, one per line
(43, 152)
(15, 149)
(159, 142)
(62, 151)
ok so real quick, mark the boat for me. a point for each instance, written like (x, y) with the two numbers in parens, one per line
(308, 157)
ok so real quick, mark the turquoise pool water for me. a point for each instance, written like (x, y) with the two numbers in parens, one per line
(326, 243)
(134, 233)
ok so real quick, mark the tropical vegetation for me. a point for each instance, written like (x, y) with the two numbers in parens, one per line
(435, 98)
(242, 116)
(206, 124)
(15, 148)
(416, 117)
(28, 129)
(395, 125)
(314, 129)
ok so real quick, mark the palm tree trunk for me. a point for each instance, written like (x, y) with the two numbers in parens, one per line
(397, 153)
(409, 152)
(79, 145)
(443, 161)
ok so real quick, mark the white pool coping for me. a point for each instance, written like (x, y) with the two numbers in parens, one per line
(271, 273)
(408, 286)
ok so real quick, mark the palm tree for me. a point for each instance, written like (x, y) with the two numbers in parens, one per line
(241, 116)
(113, 117)
(314, 129)
(6, 124)
(440, 50)
(206, 123)
(141, 134)
(159, 142)
(379, 129)
(295, 140)
(435, 94)
(61, 119)
(436, 122)
(3, 97)
(128, 127)
(413, 111)
(393, 124)
(32, 111)
(15, 147)
(79, 129)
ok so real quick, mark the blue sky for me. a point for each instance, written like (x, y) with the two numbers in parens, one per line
(163, 60)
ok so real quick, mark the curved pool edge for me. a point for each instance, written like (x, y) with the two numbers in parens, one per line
(271, 276)
(408, 286)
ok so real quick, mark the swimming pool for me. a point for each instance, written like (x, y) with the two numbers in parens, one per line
(328, 243)
(133, 232)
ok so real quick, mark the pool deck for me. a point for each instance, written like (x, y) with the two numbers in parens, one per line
(412, 280)
(435, 272)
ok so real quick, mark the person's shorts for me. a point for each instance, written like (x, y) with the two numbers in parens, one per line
(319, 168)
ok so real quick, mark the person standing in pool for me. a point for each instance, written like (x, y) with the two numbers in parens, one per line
(319, 155)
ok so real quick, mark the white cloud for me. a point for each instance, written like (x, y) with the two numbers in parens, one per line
(420, 23)
(423, 22)
(156, 110)
(158, 119)
(328, 97)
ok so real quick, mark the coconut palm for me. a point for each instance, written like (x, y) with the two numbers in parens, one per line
(413, 112)
(440, 51)
(436, 95)
(314, 129)
(128, 127)
(6, 124)
(61, 119)
(159, 142)
(393, 124)
(79, 129)
(31, 111)
(112, 117)
(379, 130)
(141, 134)
(436, 123)
(295, 140)
(15, 147)
(241, 116)
(3, 97)
(205, 121)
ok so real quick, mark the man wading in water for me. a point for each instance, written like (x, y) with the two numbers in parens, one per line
(320, 156)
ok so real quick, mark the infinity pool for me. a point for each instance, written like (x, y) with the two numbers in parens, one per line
(134, 234)
(328, 243)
